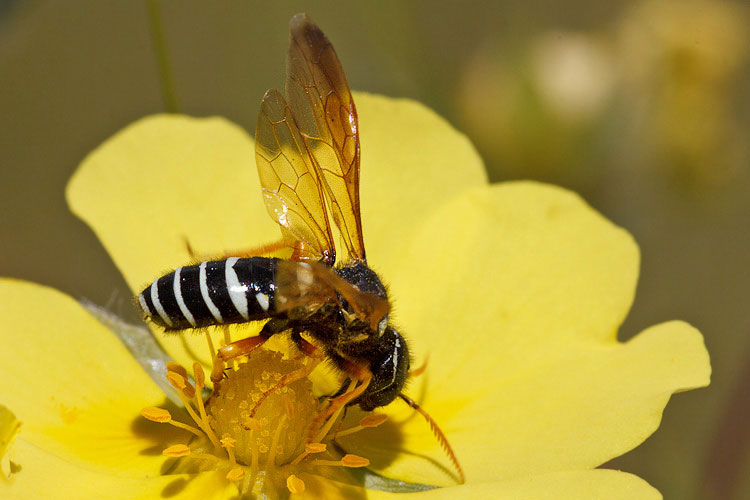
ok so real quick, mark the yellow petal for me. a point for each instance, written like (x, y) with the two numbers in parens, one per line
(522, 291)
(317, 487)
(167, 178)
(9, 427)
(573, 485)
(46, 476)
(73, 385)
(523, 266)
(413, 161)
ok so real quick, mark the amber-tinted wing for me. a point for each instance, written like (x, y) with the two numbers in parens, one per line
(323, 108)
(291, 189)
(307, 286)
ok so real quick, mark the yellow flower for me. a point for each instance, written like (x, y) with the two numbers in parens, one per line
(515, 291)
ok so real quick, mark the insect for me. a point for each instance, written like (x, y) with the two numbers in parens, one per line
(308, 159)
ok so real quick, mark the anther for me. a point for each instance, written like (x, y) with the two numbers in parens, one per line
(156, 414)
(200, 377)
(347, 460)
(176, 368)
(294, 484)
(236, 474)
(228, 443)
(373, 420)
(350, 460)
(164, 417)
(178, 450)
(310, 448)
(180, 383)
(315, 447)
(177, 380)
(188, 391)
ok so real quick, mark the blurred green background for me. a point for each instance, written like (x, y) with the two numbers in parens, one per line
(642, 107)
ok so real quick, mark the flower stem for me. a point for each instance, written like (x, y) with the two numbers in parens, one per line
(160, 46)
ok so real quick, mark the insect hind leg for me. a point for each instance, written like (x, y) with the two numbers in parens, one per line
(266, 249)
(245, 346)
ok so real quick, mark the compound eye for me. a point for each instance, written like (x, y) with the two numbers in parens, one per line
(382, 324)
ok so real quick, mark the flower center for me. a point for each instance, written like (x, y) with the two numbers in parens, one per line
(276, 433)
(262, 423)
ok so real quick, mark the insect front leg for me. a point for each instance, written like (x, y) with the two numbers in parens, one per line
(360, 377)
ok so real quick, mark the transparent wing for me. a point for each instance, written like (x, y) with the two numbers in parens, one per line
(291, 189)
(310, 285)
(324, 110)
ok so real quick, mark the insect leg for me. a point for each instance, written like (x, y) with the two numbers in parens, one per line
(315, 355)
(245, 346)
(419, 371)
(361, 377)
(438, 434)
(242, 252)
(241, 347)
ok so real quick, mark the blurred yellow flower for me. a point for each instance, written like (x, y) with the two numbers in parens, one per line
(515, 290)
(535, 111)
(678, 61)
(574, 74)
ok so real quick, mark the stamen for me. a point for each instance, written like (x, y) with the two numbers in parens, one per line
(199, 375)
(156, 414)
(227, 337)
(211, 348)
(177, 381)
(187, 427)
(315, 447)
(373, 420)
(176, 368)
(205, 456)
(164, 417)
(178, 450)
(259, 451)
(295, 485)
(188, 391)
(310, 448)
(255, 454)
(228, 443)
(236, 474)
(200, 380)
(348, 460)
(275, 441)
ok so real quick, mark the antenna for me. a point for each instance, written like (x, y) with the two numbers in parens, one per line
(438, 434)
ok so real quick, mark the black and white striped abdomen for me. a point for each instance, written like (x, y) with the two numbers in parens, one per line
(218, 292)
